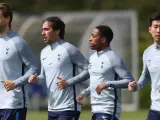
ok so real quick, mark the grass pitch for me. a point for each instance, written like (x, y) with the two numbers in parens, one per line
(86, 115)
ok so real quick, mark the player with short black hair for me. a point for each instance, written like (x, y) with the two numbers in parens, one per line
(108, 74)
(151, 68)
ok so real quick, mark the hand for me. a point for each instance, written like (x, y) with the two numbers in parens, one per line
(80, 99)
(33, 78)
(9, 84)
(100, 87)
(132, 85)
(61, 83)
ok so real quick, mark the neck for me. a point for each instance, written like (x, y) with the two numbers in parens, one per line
(54, 41)
(5, 31)
(157, 42)
(102, 48)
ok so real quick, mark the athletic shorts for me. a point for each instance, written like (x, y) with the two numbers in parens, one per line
(103, 116)
(63, 115)
(13, 114)
(153, 115)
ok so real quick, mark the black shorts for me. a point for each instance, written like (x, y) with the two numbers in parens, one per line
(153, 115)
(103, 116)
(13, 114)
(64, 115)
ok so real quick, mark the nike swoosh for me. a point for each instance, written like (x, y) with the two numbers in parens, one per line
(44, 58)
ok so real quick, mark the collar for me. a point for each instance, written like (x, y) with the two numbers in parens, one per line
(5, 37)
(54, 45)
(157, 46)
(6, 34)
(2, 36)
(104, 50)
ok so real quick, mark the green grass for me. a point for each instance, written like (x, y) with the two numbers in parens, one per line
(86, 115)
(138, 115)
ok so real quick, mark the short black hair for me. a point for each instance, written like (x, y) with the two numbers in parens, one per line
(7, 12)
(57, 24)
(154, 16)
(105, 31)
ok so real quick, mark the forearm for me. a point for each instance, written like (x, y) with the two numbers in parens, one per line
(143, 80)
(84, 75)
(119, 83)
(24, 79)
(29, 61)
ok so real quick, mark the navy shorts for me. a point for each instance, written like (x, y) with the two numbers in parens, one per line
(103, 116)
(13, 114)
(64, 115)
(153, 115)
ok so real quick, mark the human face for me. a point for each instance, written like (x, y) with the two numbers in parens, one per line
(154, 29)
(49, 35)
(3, 22)
(95, 40)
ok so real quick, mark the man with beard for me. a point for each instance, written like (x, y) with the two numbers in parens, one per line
(58, 62)
(15, 56)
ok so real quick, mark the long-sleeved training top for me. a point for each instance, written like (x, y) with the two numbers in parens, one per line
(17, 62)
(151, 72)
(106, 66)
(59, 59)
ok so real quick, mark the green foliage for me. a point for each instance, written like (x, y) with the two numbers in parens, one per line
(145, 100)
(145, 40)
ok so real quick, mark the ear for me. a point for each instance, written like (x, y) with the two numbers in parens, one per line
(7, 19)
(57, 32)
(149, 29)
(104, 39)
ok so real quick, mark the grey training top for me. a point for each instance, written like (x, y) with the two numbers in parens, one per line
(15, 56)
(151, 72)
(106, 66)
(58, 59)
